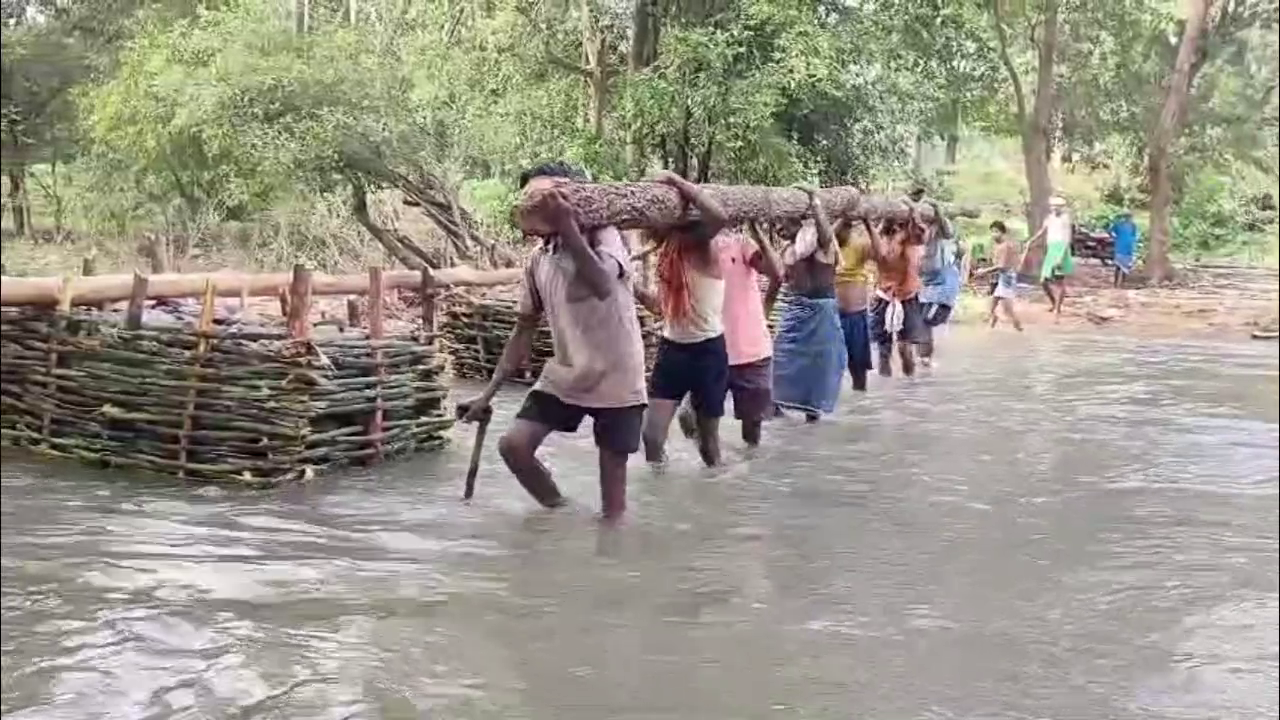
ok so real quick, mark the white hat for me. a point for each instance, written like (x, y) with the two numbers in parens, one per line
(1057, 201)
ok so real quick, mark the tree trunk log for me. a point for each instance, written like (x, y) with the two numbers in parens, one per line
(654, 206)
(1158, 266)
(16, 291)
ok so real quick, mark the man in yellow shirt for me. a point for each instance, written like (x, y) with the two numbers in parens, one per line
(852, 293)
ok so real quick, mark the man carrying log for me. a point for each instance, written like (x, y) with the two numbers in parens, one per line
(692, 357)
(809, 353)
(581, 283)
(896, 315)
(852, 285)
(940, 271)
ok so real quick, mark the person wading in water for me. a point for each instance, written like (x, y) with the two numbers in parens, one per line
(1005, 290)
(692, 357)
(852, 292)
(941, 264)
(746, 332)
(581, 284)
(896, 315)
(809, 355)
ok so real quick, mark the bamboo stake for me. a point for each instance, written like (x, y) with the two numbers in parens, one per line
(202, 346)
(299, 308)
(137, 296)
(428, 293)
(376, 299)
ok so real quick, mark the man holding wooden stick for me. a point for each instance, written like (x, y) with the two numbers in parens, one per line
(580, 282)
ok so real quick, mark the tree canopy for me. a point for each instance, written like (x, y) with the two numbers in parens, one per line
(179, 116)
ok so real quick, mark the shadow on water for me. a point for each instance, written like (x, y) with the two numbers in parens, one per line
(1062, 527)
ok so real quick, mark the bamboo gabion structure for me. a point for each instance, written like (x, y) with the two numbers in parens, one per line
(251, 405)
(475, 329)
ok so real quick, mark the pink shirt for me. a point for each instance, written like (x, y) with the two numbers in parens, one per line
(598, 353)
(746, 333)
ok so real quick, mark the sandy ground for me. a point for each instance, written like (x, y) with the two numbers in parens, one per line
(1218, 301)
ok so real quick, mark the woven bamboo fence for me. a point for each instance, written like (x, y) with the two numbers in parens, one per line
(254, 405)
(475, 329)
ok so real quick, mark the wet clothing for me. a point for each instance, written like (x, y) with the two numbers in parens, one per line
(856, 328)
(892, 319)
(699, 370)
(809, 354)
(1006, 284)
(751, 387)
(597, 352)
(705, 319)
(853, 264)
(746, 331)
(616, 429)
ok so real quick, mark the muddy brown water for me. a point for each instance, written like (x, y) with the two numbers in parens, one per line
(1046, 527)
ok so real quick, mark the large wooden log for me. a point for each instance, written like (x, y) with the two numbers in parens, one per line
(655, 206)
(17, 291)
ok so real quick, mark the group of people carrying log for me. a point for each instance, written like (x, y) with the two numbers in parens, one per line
(715, 340)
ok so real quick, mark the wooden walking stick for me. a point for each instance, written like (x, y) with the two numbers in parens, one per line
(482, 427)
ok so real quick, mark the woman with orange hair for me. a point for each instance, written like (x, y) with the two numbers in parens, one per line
(692, 356)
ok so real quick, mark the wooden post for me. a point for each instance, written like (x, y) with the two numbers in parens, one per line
(353, 313)
(429, 320)
(87, 266)
(299, 309)
(137, 298)
(204, 329)
(376, 301)
(57, 325)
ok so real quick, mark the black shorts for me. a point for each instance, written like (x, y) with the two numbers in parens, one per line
(616, 429)
(699, 370)
(913, 327)
(935, 314)
(751, 386)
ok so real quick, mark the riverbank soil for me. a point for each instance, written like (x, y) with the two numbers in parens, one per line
(1217, 300)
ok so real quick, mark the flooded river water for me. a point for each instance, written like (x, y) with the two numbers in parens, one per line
(1045, 527)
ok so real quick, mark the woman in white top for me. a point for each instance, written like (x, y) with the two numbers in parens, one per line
(692, 357)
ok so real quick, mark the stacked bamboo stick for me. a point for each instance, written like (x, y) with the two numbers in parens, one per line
(475, 329)
(255, 406)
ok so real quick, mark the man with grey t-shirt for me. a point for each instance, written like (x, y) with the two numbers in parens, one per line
(581, 283)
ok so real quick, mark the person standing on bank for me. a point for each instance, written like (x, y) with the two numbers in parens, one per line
(1124, 238)
(581, 284)
(809, 357)
(692, 358)
(1055, 231)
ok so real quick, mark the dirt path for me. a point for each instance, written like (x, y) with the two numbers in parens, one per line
(1218, 301)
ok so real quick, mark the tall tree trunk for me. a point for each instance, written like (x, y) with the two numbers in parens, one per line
(646, 28)
(18, 204)
(595, 69)
(301, 16)
(1164, 134)
(953, 135)
(1035, 124)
